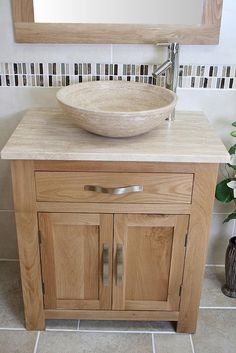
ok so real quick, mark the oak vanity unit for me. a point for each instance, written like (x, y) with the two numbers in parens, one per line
(113, 228)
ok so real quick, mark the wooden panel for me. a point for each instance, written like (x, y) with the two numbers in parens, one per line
(120, 167)
(116, 34)
(148, 259)
(157, 187)
(164, 208)
(71, 257)
(212, 12)
(23, 10)
(112, 315)
(207, 33)
(203, 198)
(27, 235)
(154, 248)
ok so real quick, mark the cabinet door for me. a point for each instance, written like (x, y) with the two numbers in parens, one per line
(76, 256)
(148, 261)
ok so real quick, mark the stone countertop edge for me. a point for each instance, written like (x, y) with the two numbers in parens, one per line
(190, 139)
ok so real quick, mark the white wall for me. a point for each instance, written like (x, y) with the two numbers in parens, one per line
(219, 105)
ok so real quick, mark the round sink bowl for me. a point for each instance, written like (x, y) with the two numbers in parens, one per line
(116, 108)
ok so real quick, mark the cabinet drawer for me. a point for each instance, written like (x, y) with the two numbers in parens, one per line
(75, 187)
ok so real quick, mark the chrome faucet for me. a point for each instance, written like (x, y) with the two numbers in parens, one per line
(171, 67)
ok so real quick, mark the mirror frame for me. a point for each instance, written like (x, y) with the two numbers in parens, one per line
(27, 31)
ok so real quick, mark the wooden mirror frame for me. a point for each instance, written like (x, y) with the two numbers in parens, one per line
(27, 31)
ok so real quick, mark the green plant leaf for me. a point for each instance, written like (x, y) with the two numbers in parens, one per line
(231, 151)
(223, 192)
(230, 217)
(233, 133)
(234, 124)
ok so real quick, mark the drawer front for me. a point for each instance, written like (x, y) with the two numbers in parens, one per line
(114, 187)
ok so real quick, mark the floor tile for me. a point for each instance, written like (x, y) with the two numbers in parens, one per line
(62, 324)
(126, 325)
(172, 343)
(17, 341)
(75, 342)
(211, 293)
(11, 305)
(216, 332)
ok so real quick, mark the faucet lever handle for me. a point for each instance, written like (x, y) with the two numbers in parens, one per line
(162, 44)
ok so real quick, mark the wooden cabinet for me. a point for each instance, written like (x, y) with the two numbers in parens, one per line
(88, 251)
(153, 251)
(78, 271)
(72, 248)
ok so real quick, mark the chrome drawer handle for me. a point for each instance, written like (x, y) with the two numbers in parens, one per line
(105, 266)
(114, 191)
(119, 265)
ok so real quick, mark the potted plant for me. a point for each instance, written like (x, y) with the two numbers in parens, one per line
(226, 192)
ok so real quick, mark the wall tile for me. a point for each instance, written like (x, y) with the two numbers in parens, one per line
(6, 201)
(138, 53)
(8, 243)
(59, 74)
(218, 240)
(212, 295)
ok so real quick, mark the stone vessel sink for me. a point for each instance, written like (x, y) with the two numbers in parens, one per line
(116, 108)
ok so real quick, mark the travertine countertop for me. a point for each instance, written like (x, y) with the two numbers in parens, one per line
(45, 134)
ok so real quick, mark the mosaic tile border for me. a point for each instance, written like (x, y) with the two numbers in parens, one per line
(63, 74)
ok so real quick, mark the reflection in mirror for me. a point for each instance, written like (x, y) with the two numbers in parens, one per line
(184, 12)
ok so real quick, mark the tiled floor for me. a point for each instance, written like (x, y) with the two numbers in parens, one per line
(216, 331)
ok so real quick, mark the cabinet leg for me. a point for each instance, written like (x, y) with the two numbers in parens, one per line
(199, 225)
(28, 244)
(184, 327)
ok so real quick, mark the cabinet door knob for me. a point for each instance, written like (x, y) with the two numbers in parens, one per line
(105, 265)
(114, 191)
(119, 265)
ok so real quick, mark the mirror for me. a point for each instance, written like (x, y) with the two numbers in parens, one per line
(122, 11)
(183, 21)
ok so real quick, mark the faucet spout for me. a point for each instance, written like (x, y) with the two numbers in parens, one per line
(171, 67)
(162, 68)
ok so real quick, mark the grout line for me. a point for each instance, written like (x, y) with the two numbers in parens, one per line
(111, 58)
(191, 342)
(7, 210)
(212, 265)
(36, 343)
(207, 265)
(12, 329)
(220, 213)
(120, 331)
(206, 89)
(78, 325)
(153, 344)
(233, 229)
(61, 329)
(218, 307)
